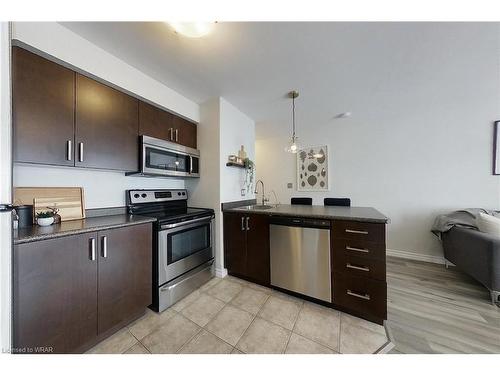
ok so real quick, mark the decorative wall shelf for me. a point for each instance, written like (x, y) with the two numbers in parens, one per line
(231, 164)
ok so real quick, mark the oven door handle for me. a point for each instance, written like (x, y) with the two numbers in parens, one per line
(182, 223)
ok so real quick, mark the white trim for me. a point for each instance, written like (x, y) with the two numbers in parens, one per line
(415, 256)
(220, 272)
(5, 190)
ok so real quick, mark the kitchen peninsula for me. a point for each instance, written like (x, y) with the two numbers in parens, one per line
(331, 255)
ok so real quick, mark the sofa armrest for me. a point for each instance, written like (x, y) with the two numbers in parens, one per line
(476, 253)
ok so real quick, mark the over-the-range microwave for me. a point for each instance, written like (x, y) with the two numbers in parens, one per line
(163, 158)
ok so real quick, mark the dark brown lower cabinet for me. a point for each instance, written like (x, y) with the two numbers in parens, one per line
(246, 246)
(71, 292)
(124, 274)
(55, 290)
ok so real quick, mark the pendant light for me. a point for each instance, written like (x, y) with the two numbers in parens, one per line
(293, 146)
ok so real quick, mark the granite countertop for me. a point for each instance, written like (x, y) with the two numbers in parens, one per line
(366, 214)
(68, 228)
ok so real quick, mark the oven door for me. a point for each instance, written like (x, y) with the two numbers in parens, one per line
(184, 246)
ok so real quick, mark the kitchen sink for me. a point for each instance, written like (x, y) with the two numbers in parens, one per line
(258, 207)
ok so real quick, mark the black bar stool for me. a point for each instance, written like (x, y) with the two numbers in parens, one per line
(303, 201)
(345, 202)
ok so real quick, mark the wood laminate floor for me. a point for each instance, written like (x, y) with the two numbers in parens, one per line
(432, 309)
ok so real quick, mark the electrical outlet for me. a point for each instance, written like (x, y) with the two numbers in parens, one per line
(289, 185)
(243, 192)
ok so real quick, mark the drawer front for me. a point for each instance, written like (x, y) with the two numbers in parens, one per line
(361, 294)
(359, 266)
(373, 232)
(358, 247)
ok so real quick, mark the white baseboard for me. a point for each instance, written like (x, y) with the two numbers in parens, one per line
(220, 272)
(415, 256)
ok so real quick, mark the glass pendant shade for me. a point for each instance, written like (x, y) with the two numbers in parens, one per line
(293, 146)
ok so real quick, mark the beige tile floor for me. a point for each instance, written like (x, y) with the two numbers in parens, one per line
(234, 316)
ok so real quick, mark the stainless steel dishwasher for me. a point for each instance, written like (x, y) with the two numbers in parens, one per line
(300, 256)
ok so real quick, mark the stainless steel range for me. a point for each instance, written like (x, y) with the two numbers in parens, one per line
(183, 242)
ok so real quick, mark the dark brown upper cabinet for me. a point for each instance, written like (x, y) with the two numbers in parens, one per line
(61, 117)
(155, 122)
(106, 127)
(158, 123)
(184, 132)
(43, 96)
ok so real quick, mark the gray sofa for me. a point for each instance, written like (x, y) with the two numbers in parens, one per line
(477, 254)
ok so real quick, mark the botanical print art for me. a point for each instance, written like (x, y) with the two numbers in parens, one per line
(312, 169)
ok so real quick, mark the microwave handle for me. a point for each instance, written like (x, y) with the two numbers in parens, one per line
(190, 164)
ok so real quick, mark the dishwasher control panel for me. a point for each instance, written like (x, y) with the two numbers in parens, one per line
(300, 222)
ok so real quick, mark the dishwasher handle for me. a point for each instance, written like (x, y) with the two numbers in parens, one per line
(302, 222)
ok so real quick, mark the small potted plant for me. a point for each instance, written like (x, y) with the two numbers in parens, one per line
(44, 218)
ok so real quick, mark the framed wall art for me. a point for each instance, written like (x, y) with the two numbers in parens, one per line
(312, 169)
(496, 148)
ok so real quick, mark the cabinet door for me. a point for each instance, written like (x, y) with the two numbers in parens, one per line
(235, 243)
(155, 122)
(55, 294)
(106, 127)
(258, 253)
(125, 256)
(184, 132)
(43, 98)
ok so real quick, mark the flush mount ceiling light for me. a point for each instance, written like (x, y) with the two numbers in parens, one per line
(192, 29)
(293, 146)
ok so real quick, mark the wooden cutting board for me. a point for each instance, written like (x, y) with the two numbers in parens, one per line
(69, 201)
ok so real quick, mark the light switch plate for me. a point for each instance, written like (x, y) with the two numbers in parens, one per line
(289, 185)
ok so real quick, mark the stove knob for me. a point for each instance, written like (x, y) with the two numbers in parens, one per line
(136, 195)
(183, 193)
(143, 195)
(179, 193)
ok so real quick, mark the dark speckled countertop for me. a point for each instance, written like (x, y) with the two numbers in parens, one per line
(366, 214)
(68, 228)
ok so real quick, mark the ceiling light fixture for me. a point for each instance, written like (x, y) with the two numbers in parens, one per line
(192, 29)
(293, 146)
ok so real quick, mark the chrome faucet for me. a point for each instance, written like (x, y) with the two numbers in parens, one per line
(264, 200)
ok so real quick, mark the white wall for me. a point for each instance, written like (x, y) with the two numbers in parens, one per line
(223, 129)
(205, 191)
(102, 188)
(421, 146)
(236, 129)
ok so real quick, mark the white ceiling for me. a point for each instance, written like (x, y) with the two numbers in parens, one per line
(336, 67)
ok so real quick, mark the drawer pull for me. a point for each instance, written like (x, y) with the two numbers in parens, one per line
(366, 297)
(357, 249)
(360, 268)
(356, 231)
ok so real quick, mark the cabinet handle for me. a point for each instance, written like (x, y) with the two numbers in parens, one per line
(171, 131)
(366, 297)
(248, 226)
(357, 249)
(242, 223)
(356, 231)
(104, 246)
(92, 249)
(177, 135)
(360, 268)
(69, 150)
(80, 151)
